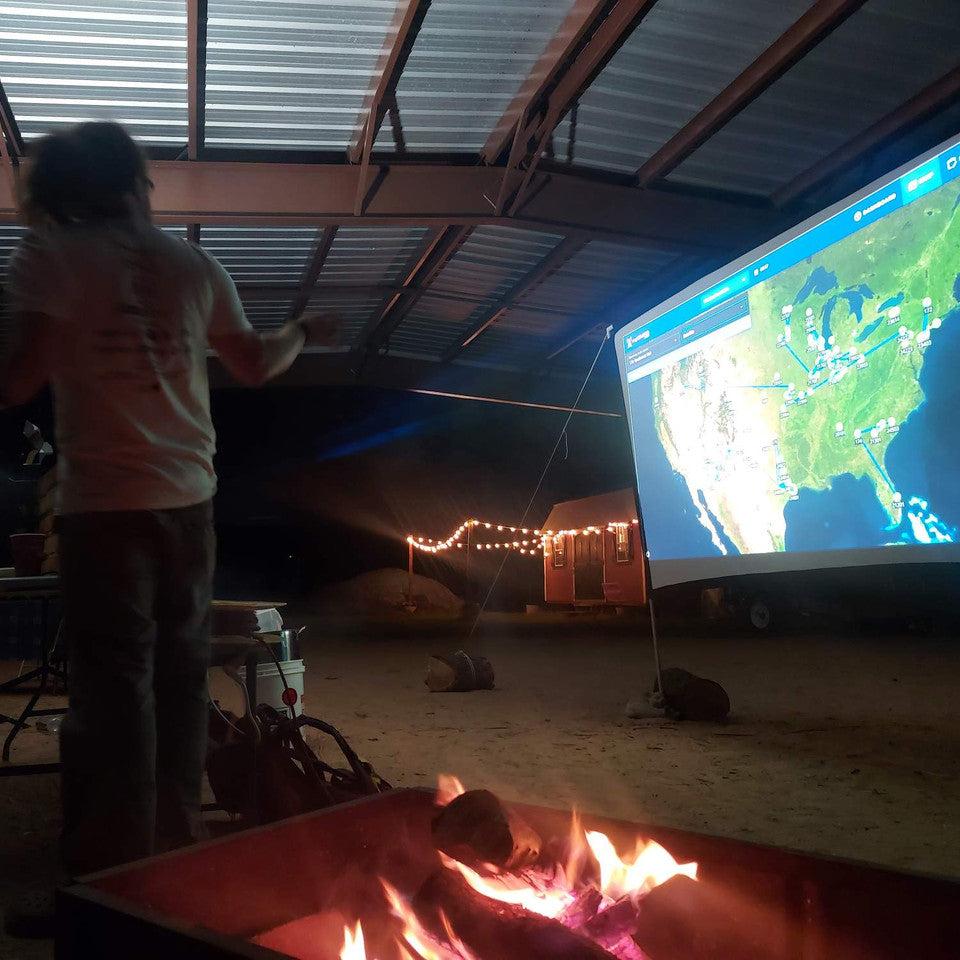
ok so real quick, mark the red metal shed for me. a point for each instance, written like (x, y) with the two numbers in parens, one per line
(595, 556)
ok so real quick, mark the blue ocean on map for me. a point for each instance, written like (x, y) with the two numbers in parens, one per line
(845, 516)
(924, 459)
(670, 519)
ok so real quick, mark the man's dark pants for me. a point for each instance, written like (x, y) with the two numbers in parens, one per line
(136, 602)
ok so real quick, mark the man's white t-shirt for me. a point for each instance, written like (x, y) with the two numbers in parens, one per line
(132, 309)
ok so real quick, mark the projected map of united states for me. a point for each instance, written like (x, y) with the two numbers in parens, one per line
(771, 428)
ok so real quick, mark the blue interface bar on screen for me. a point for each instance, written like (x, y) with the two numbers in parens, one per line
(892, 196)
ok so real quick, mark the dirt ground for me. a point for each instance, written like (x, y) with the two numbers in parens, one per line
(842, 745)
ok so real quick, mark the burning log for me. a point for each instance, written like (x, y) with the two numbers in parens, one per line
(685, 918)
(492, 929)
(458, 673)
(584, 908)
(610, 926)
(475, 828)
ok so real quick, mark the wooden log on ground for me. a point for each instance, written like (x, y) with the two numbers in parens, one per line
(497, 930)
(689, 697)
(475, 828)
(459, 672)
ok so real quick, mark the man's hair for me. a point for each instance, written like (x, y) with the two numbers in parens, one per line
(83, 173)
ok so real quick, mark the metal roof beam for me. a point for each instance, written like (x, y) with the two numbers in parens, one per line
(196, 76)
(582, 18)
(281, 291)
(11, 147)
(407, 22)
(793, 44)
(251, 194)
(10, 130)
(939, 95)
(604, 26)
(434, 256)
(552, 262)
(312, 272)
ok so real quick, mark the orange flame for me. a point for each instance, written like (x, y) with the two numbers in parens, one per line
(449, 788)
(353, 948)
(651, 865)
(425, 945)
(548, 893)
(529, 891)
(577, 852)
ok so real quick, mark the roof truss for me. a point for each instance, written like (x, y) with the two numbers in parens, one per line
(798, 40)
(513, 185)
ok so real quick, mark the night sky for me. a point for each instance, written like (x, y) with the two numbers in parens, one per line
(319, 484)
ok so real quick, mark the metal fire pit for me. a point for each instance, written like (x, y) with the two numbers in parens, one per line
(310, 875)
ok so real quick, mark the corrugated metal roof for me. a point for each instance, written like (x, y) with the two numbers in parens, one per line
(683, 53)
(575, 360)
(9, 237)
(431, 326)
(469, 60)
(492, 260)
(292, 74)
(69, 60)
(504, 349)
(584, 288)
(356, 311)
(371, 255)
(602, 272)
(487, 265)
(267, 313)
(261, 254)
(874, 62)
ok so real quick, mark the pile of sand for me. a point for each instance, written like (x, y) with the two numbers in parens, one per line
(386, 591)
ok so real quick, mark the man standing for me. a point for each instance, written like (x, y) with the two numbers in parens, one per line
(117, 316)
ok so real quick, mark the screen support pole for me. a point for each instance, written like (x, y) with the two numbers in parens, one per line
(648, 583)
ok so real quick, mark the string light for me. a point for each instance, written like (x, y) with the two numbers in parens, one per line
(526, 547)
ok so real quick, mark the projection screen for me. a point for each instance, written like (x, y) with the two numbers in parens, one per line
(800, 408)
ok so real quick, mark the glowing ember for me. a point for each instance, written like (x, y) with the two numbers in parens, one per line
(604, 911)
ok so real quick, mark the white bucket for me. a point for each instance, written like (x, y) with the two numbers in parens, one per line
(270, 686)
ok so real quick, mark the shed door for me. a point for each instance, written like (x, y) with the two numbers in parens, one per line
(588, 566)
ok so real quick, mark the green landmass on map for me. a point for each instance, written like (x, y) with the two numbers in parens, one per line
(726, 402)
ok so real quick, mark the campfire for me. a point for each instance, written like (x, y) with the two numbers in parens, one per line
(501, 891)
